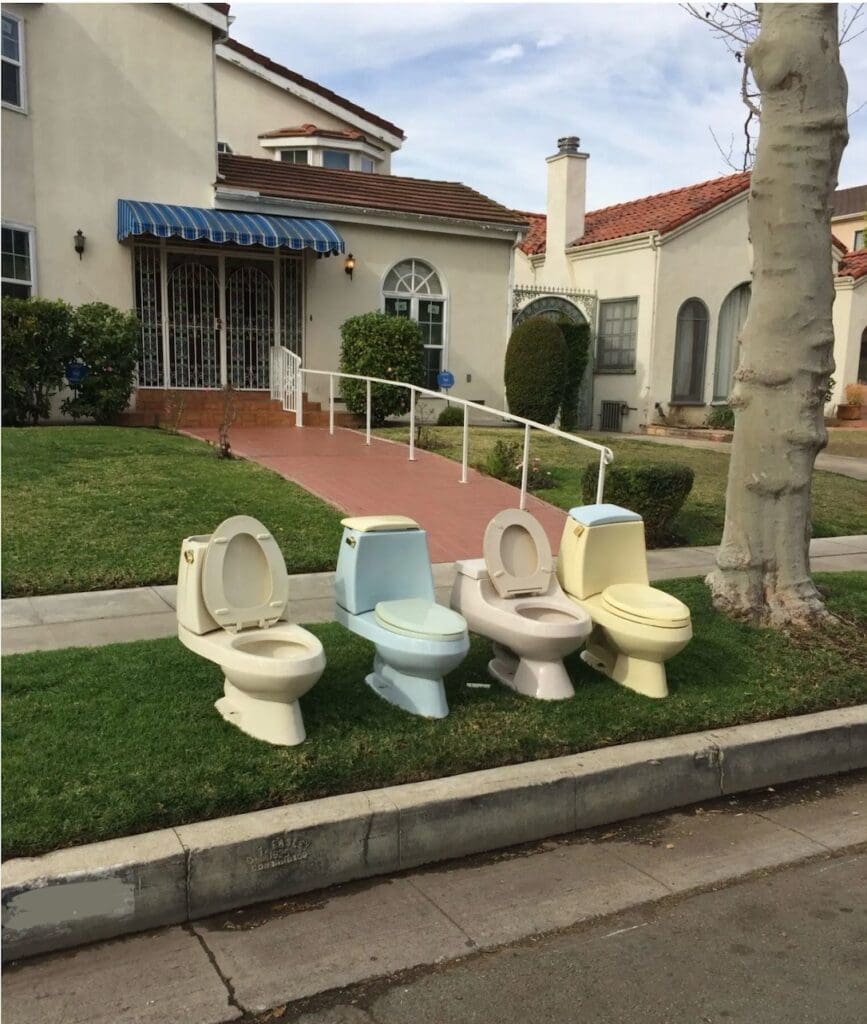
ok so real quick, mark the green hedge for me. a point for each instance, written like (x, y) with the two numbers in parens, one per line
(577, 338)
(535, 371)
(655, 491)
(722, 417)
(451, 416)
(378, 345)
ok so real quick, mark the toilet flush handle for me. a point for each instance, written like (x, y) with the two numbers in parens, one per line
(351, 541)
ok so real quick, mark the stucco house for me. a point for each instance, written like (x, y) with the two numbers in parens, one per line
(849, 219)
(664, 281)
(152, 162)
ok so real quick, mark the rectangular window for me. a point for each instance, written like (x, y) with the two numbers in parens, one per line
(335, 159)
(430, 320)
(367, 165)
(618, 321)
(293, 156)
(17, 258)
(858, 241)
(13, 63)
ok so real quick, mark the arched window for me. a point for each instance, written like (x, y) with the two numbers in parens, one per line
(413, 289)
(690, 346)
(732, 315)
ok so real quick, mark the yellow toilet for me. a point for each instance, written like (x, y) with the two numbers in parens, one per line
(602, 565)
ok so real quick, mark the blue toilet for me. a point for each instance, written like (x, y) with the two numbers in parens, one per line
(385, 593)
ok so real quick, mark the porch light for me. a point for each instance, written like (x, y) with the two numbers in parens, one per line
(349, 265)
(78, 241)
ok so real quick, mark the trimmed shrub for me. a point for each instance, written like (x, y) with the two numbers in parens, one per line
(535, 372)
(378, 345)
(36, 348)
(721, 417)
(504, 461)
(577, 338)
(106, 341)
(451, 416)
(656, 491)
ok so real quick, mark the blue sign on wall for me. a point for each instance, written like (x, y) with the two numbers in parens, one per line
(445, 379)
(75, 373)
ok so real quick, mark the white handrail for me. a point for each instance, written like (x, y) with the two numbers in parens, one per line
(606, 456)
(286, 380)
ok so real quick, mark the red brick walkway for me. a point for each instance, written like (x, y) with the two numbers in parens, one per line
(380, 480)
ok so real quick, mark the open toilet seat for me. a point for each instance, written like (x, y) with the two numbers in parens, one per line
(645, 605)
(420, 618)
(244, 577)
(517, 554)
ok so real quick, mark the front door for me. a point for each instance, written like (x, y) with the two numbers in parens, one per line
(249, 324)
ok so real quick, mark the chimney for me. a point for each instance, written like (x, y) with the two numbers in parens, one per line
(567, 195)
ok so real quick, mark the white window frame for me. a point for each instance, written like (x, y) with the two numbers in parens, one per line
(414, 297)
(22, 77)
(30, 231)
(340, 152)
(858, 242)
(293, 149)
(599, 366)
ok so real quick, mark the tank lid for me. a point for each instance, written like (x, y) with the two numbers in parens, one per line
(602, 515)
(376, 524)
(474, 568)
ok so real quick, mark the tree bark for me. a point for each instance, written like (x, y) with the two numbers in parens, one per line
(763, 565)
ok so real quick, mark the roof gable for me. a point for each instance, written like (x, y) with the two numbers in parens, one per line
(386, 192)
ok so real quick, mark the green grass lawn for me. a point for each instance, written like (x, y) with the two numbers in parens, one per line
(839, 503)
(92, 508)
(847, 442)
(122, 739)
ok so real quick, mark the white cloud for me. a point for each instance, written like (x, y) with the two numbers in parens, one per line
(506, 54)
(546, 42)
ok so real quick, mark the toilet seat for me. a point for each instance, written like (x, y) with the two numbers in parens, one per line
(244, 578)
(417, 617)
(647, 605)
(517, 554)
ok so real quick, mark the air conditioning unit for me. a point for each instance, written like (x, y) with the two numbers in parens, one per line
(612, 415)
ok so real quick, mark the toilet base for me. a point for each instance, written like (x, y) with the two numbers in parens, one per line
(544, 680)
(645, 677)
(419, 695)
(267, 720)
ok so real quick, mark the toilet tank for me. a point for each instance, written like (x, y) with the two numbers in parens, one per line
(601, 545)
(382, 558)
(192, 613)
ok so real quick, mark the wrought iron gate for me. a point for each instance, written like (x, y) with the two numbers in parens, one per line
(250, 325)
(194, 323)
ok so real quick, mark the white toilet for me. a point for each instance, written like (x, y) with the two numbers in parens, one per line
(602, 566)
(512, 597)
(232, 593)
(385, 593)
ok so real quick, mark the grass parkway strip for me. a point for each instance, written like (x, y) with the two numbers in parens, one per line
(113, 741)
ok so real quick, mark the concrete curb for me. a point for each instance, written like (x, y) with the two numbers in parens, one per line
(103, 890)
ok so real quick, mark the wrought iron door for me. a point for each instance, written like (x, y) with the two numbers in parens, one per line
(250, 325)
(193, 321)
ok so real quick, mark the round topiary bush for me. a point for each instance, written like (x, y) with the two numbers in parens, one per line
(577, 338)
(535, 372)
(378, 345)
(655, 491)
(451, 416)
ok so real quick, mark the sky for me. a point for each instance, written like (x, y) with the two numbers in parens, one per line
(483, 91)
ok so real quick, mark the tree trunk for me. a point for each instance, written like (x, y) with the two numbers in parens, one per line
(763, 566)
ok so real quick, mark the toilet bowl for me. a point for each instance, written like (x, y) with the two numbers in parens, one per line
(602, 566)
(232, 594)
(512, 596)
(384, 592)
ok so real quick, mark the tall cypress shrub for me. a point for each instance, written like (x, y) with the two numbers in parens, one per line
(535, 371)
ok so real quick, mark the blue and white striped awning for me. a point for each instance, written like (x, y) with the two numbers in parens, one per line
(194, 223)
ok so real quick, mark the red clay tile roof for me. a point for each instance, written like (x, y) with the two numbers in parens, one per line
(662, 212)
(853, 265)
(306, 83)
(312, 129)
(301, 182)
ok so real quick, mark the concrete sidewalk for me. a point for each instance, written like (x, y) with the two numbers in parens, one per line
(90, 620)
(273, 955)
(148, 613)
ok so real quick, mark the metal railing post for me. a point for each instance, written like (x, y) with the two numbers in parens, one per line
(412, 424)
(299, 397)
(465, 444)
(331, 404)
(367, 441)
(525, 466)
(600, 483)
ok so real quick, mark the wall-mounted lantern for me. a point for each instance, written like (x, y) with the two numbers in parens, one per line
(78, 241)
(349, 265)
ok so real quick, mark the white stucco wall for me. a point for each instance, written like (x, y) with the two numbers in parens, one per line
(845, 227)
(850, 320)
(474, 271)
(120, 105)
(247, 105)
